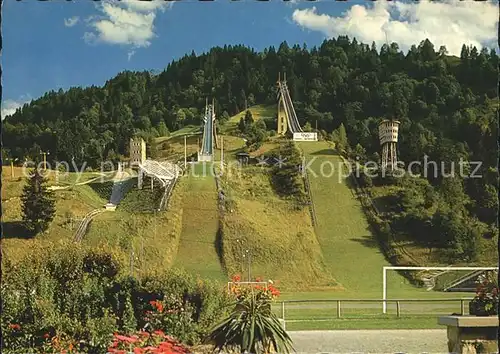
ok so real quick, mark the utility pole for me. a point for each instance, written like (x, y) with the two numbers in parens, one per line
(142, 252)
(316, 125)
(131, 262)
(221, 153)
(185, 152)
(12, 169)
(249, 258)
(249, 266)
(44, 159)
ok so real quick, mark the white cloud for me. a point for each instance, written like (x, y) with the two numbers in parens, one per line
(70, 22)
(127, 22)
(130, 54)
(450, 23)
(9, 107)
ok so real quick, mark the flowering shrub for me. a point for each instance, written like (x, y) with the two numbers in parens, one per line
(486, 300)
(251, 326)
(172, 315)
(145, 343)
(60, 343)
(267, 292)
(72, 299)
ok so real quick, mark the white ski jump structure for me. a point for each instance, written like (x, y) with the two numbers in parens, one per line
(287, 118)
(165, 172)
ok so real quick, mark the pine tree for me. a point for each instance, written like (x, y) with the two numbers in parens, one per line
(162, 128)
(248, 118)
(38, 204)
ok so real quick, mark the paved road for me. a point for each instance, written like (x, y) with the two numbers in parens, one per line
(371, 341)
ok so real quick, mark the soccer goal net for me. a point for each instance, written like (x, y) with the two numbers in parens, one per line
(429, 283)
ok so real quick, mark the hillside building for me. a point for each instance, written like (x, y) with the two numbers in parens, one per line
(137, 152)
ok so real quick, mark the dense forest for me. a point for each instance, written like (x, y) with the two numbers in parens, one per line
(446, 105)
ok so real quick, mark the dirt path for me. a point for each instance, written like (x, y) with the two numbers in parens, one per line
(371, 341)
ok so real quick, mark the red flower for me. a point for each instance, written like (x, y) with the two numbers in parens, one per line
(46, 335)
(159, 333)
(149, 348)
(15, 326)
(236, 278)
(258, 279)
(157, 305)
(126, 339)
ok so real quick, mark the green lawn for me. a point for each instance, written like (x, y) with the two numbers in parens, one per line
(197, 249)
(187, 130)
(349, 249)
(258, 111)
(366, 315)
(376, 322)
(276, 232)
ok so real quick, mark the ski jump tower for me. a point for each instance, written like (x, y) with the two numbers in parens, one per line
(287, 118)
(206, 151)
(388, 137)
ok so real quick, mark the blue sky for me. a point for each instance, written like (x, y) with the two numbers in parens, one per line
(59, 44)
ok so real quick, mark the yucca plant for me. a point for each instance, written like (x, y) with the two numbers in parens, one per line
(251, 327)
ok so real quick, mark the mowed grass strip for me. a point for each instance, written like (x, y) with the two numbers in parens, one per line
(350, 251)
(197, 251)
(376, 322)
(278, 235)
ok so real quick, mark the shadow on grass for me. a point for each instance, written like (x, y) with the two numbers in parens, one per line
(325, 152)
(219, 247)
(15, 229)
(102, 189)
(367, 241)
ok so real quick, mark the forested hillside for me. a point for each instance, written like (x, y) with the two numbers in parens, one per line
(446, 105)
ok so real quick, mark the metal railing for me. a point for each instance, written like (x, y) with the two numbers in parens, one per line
(82, 228)
(290, 311)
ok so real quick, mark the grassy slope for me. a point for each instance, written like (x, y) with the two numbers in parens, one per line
(71, 203)
(349, 249)
(117, 231)
(281, 239)
(281, 250)
(258, 112)
(187, 130)
(153, 237)
(197, 249)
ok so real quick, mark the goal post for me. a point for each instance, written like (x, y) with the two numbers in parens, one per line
(396, 268)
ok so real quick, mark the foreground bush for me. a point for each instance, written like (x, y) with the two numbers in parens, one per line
(73, 298)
